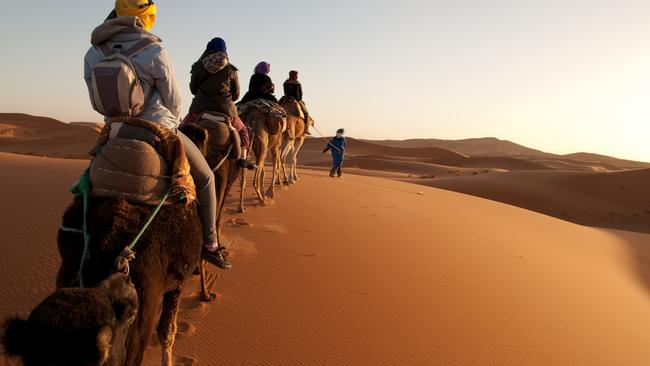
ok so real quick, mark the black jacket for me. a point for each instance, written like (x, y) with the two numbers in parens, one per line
(292, 88)
(260, 87)
(215, 86)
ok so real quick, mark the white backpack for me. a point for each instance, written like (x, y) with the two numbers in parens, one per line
(116, 90)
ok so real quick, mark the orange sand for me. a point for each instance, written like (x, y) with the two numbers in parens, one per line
(364, 270)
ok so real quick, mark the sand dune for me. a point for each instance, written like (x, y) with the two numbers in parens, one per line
(476, 147)
(613, 199)
(362, 270)
(41, 136)
(602, 159)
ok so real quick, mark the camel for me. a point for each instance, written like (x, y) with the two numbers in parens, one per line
(266, 135)
(76, 327)
(219, 151)
(167, 255)
(294, 138)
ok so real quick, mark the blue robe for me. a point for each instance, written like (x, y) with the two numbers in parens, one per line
(338, 154)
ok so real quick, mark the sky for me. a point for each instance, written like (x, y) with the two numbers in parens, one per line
(559, 76)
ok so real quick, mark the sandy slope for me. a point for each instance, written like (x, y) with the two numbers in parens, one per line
(613, 199)
(42, 136)
(370, 271)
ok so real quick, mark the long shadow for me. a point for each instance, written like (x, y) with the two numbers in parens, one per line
(638, 245)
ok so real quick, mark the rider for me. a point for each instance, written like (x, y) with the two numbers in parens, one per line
(128, 24)
(261, 86)
(293, 89)
(215, 86)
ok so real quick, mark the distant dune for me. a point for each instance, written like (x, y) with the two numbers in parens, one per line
(476, 146)
(612, 199)
(575, 187)
(41, 136)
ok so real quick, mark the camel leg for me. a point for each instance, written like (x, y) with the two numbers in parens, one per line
(275, 155)
(167, 325)
(242, 179)
(206, 295)
(286, 153)
(258, 181)
(145, 323)
(296, 150)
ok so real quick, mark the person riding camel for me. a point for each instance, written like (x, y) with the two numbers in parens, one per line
(127, 27)
(260, 86)
(337, 146)
(293, 89)
(215, 86)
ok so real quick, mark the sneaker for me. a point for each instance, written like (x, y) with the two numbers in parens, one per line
(216, 258)
(246, 164)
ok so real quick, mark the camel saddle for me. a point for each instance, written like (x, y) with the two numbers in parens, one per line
(130, 163)
(220, 140)
(292, 107)
(272, 109)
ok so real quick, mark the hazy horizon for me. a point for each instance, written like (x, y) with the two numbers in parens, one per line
(561, 77)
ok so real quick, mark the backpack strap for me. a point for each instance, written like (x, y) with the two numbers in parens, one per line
(139, 46)
(131, 51)
(105, 50)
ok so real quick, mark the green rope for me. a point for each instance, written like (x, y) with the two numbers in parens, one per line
(153, 215)
(83, 188)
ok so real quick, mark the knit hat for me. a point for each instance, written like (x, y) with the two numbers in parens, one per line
(145, 10)
(217, 45)
(293, 75)
(263, 68)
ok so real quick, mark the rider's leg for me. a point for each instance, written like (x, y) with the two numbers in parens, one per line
(305, 111)
(245, 143)
(206, 196)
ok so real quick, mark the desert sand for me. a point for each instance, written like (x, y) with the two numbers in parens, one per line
(363, 270)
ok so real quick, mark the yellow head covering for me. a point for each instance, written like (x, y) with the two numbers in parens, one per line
(145, 10)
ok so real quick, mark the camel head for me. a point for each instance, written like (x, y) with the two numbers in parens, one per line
(198, 135)
(76, 326)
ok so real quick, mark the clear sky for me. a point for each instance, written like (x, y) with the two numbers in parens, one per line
(561, 76)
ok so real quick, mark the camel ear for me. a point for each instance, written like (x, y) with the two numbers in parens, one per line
(15, 337)
(104, 339)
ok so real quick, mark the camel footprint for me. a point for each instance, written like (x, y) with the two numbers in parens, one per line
(184, 361)
(238, 222)
(185, 330)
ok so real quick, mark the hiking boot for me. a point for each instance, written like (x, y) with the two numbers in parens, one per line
(246, 164)
(216, 258)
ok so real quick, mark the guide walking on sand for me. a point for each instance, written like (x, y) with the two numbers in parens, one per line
(337, 146)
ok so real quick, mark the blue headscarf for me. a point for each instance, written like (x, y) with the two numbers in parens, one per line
(217, 45)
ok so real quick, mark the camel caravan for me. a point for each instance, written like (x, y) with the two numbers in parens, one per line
(148, 211)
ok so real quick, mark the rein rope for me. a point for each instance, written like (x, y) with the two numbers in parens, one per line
(224, 158)
(326, 140)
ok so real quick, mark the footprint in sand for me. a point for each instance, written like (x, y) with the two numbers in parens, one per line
(274, 228)
(185, 330)
(184, 361)
(238, 222)
(243, 246)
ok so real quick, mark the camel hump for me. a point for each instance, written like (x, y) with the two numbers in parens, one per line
(130, 168)
(292, 107)
(222, 135)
